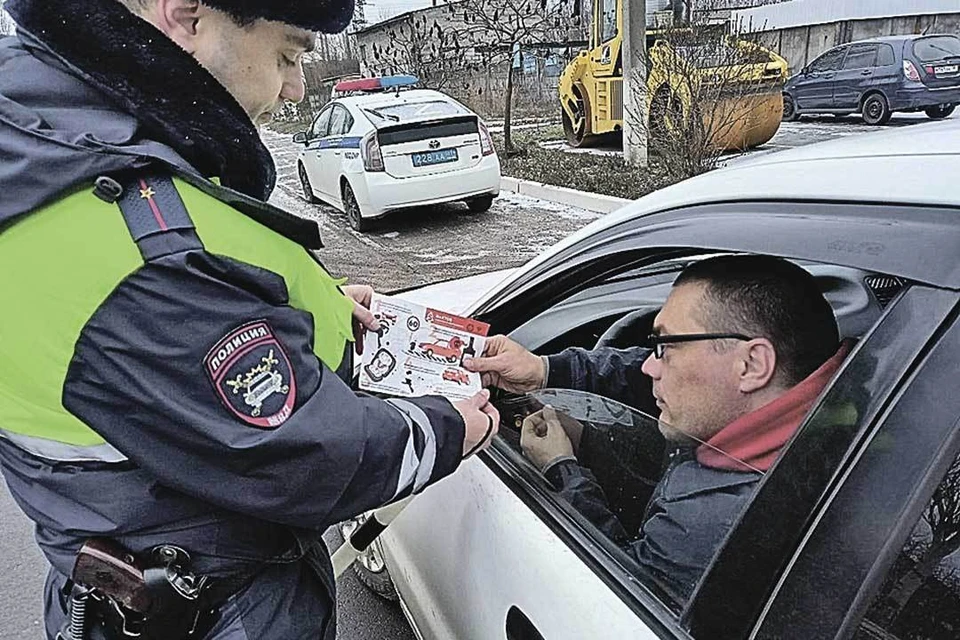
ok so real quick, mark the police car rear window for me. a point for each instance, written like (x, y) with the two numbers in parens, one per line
(418, 110)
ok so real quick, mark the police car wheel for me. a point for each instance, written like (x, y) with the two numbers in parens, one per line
(352, 209)
(305, 185)
(480, 204)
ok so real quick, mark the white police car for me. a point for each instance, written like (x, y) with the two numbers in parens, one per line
(380, 146)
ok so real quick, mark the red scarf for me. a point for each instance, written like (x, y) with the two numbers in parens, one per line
(757, 437)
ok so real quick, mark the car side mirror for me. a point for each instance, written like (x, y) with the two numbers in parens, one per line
(300, 137)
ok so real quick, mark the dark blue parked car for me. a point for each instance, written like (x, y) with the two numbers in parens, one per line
(877, 77)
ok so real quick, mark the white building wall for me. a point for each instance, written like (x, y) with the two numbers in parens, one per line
(798, 13)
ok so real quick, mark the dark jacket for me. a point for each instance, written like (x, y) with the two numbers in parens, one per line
(175, 362)
(692, 507)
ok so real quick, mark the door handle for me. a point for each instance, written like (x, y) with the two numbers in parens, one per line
(866, 72)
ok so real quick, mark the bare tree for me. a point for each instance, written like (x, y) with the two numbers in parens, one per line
(498, 31)
(708, 91)
(421, 45)
(927, 550)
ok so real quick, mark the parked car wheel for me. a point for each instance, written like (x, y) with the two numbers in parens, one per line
(369, 566)
(939, 111)
(352, 209)
(876, 111)
(305, 185)
(480, 204)
(789, 109)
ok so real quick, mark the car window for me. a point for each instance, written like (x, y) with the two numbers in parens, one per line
(830, 61)
(885, 56)
(337, 121)
(920, 597)
(322, 124)
(934, 48)
(416, 110)
(861, 56)
(619, 465)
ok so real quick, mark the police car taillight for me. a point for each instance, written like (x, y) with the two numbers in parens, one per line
(486, 142)
(910, 71)
(370, 152)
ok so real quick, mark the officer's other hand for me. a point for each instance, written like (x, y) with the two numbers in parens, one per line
(363, 318)
(507, 365)
(481, 420)
(543, 439)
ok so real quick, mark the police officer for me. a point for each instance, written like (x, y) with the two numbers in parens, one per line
(172, 357)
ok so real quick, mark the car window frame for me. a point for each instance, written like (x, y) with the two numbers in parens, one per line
(316, 135)
(341, 111)
(852, 51)
(841, 49)
(601, 554)
(893, 55)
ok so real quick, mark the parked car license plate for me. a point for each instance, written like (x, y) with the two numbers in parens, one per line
(946, 69)
(434, 157)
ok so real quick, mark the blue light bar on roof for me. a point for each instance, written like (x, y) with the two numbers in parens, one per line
(391, 82)
(375, 84)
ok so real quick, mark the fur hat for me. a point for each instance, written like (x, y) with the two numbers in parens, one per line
(327, 16)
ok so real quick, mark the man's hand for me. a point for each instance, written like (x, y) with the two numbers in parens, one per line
(363, 319)
(507, 365)
(481, 419)
(543, 438)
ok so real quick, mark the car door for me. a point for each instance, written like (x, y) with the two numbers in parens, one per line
(855, 76)
(814, 88)
(313, 160)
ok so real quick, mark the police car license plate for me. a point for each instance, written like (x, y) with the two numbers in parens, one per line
(434, 157)
(946, 70)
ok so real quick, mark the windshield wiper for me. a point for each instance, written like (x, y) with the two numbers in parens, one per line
(381, 115)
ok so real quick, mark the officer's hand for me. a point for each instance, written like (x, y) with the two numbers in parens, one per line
(543, 438)
(361, 295)
(507, 365)
(481, 419)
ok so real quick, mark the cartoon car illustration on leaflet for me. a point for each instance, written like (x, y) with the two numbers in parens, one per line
(456, 375)
(448, 349)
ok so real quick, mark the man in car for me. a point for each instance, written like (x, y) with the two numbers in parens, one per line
(176, 363)
(739, 353)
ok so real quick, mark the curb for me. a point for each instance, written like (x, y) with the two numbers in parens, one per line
(562, 195)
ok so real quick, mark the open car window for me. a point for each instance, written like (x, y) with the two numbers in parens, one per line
(660, 500)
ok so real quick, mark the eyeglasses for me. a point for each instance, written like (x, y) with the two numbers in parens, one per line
(657, 342)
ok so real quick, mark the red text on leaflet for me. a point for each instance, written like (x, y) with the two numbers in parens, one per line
(450, 321)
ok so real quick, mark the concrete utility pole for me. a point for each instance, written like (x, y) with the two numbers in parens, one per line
(634, 52)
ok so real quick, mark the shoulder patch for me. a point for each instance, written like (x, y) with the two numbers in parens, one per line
(252, 375)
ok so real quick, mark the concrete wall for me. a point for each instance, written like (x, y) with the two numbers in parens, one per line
(801, 45)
